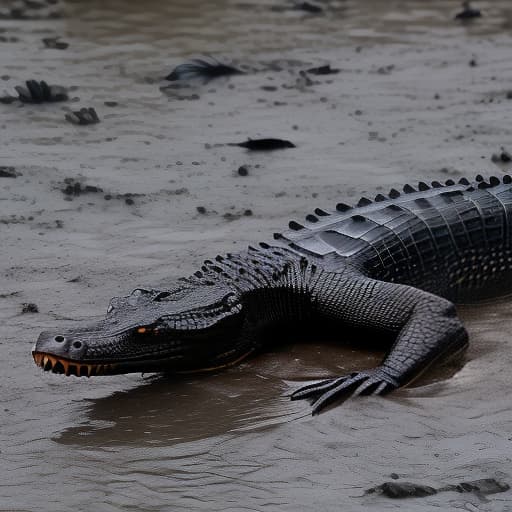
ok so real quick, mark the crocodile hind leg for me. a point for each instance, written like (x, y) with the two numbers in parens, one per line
(426, 326)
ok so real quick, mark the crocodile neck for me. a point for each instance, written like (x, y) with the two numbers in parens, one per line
(279, 286)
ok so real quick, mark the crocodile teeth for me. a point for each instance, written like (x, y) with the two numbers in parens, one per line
(63, 366)
(49, 363)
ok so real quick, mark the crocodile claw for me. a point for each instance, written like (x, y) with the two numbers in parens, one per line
(367, 382)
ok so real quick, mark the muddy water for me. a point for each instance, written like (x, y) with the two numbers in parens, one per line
(405, 106)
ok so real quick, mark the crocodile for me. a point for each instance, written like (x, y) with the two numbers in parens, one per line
(390, 268)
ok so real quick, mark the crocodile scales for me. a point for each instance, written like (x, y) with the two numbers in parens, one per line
(391, 268)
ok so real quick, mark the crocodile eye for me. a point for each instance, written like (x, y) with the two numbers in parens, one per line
(161, 295)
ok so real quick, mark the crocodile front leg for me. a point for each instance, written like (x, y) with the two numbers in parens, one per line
(426, 325)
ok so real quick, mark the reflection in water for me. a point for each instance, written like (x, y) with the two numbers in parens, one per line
(166, 411)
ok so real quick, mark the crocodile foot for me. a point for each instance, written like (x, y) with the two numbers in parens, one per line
(367, 382)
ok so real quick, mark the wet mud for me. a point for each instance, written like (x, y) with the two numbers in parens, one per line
(373, 95)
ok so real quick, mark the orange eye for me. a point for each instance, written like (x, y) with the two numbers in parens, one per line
(141, 330)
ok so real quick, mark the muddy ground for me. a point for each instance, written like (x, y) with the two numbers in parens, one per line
(418, 96)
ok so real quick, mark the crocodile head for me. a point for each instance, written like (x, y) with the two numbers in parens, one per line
(191, 327)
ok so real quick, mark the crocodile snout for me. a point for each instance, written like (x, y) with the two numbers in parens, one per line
(63, 353)
(61, 345)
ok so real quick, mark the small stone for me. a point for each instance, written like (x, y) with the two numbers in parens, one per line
(68, 190)
(505, 157)
(201, 210)
(29, 307)
(129, 201)
(309, 7)
(467, 13)
(92, 189)
(84, 116)
(386, 70)
(243, 170)
(266, 144)
(248, 213)
(6, 100)
(404, 490)
(54, 43)
(323, 70)
(484, 486)
(7, 172)
(72, 118)
(35, 91)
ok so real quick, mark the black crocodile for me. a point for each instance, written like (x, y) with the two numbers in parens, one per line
(392, 268)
